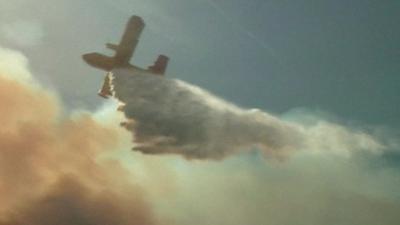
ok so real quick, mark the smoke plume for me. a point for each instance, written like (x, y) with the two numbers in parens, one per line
(171, 116)
(51, 171)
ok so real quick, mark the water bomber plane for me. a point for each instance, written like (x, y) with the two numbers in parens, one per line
(123, 54)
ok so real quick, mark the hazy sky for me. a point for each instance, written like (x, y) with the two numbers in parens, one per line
(306, 63)
(336, 56)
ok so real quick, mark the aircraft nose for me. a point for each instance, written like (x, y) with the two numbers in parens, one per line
(86, 57)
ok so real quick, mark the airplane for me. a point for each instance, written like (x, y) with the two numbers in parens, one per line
(123, 54)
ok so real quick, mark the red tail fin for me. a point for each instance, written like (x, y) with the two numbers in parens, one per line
(160, 65)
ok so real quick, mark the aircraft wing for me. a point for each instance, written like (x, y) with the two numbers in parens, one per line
(126, 47)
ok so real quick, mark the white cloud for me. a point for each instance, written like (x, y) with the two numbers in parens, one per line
(14, 63)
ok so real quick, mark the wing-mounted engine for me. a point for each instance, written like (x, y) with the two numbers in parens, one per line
(160, 65)
(112, 46)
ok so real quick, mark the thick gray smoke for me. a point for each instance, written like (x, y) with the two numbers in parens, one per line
(171, 116)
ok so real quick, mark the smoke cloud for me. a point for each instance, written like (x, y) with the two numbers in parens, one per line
(51, 169)
(171, 116)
